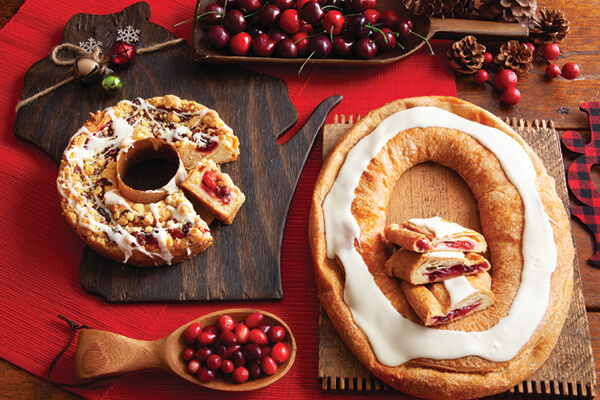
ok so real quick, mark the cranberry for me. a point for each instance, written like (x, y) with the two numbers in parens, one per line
(227, 338)
(312, 12)
(268, 365)
(192, 332)
(237, 358)
(240, 44)
(257, 336)
(552, 71)
(211, 328)
(551, 51)
(366, 48)
(290, 20)
(234, 21)
(286, 48)
(241, 332)
(320, 46)
(206, 338)
(227, 366)
(506, 78)
(252, 351)
(189, 354)
(269, 15)
(254, 369)
(240, 374)
(225, 323)
(214, 12)
(202, 353)
(231, 349)
(214, 362)
(206, 375)
(193, 366)
(481, 76)
(531, 47)
(511, 96)
(280, 352)
(570, 70)
(218, 36)
(263, 45)
(276, 334)
(333, 22)
(220, 349)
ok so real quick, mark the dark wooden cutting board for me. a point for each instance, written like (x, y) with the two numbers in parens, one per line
(244, 260)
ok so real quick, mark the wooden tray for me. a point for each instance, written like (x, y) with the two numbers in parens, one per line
(243, 262)
(568, 373)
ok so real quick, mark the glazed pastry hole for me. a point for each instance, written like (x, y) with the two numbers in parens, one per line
(148, 170)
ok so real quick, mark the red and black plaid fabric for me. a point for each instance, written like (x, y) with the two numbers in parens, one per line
(579, 176)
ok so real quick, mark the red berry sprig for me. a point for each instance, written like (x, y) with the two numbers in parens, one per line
(242, 350)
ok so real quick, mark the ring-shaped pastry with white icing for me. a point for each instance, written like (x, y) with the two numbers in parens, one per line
(141, 227)
(522, 218)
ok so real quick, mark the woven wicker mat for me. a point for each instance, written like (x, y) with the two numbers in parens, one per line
(568, 373)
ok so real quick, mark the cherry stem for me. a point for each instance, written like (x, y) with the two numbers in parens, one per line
(305, 61)
(197, 18)
(425, 39)
(381, 32)
(544, 57)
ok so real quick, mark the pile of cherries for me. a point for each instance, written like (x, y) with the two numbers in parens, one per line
(303, 28)
(243, 350)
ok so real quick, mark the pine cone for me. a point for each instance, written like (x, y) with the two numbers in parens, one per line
(508, 10)
(466, 56)
(514, 55)
(549, 26)
(439, 8)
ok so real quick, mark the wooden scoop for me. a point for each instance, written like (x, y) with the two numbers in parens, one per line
(424, 26)
(105, 354)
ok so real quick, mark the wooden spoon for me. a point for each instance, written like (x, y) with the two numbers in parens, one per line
(104, 354)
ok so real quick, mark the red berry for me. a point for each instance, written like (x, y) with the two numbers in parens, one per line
(241, 332)
(506, 78)
(240, 44)
(570, 70)
(193, 366)
(302, 42)
(227, 366)
(511, 96)
(214, 362)
(481, 76)
(268, 365)
(211, 328)
(254, 320)
(218, 36)
(290, 21)
(202, 353)
(552, 71)
(252, 351)
(207, 338)
(372, 16)
(280, 352)
(263, 45)
(189, 354)
(240, 374)
(192, 332)
(488, 58)
(206, 375)
(551, 51)
(234, 21)
(366, 48)
(227, 338)
(259, 337)
(225, 323)
(333, 22)
(531, 47)
(389, 18)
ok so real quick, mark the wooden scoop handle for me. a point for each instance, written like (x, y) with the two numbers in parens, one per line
(101, 354)
(474, 27)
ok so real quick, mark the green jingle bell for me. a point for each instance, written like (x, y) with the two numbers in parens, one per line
(112, 83)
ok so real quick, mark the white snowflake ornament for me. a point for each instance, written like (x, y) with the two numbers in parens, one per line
(90, 44)
(129, 34)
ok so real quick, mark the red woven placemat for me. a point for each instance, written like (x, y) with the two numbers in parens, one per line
(41, 254)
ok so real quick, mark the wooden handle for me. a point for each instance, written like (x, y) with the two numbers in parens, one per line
(101, 354)
(488, 29)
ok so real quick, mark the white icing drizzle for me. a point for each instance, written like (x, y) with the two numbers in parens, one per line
(120, 134)
(459, 288)
(395, 339)
(438, 226)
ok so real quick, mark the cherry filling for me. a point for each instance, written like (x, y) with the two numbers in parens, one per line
(460, 312)
(209, 184)
(423, 245)
(205, 142)
(459, 244)
(452, 271)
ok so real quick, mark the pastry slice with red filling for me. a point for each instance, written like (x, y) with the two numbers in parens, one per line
(435, 234)
(423, 268)
(214, 190)
(443, 302)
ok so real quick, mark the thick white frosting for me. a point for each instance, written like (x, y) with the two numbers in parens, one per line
(459, 288)
(438, 226)
(395, 339)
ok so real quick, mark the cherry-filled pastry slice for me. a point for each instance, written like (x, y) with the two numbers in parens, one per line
(423, 268)
(435, 234)
(444, 302)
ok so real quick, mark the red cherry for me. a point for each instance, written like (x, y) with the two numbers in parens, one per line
(276, 334)
(389, 18)
(482, 76)
(268, 365)
(302, 42)
(284, 4)
(218, 36)
(312, 12)
(263, 45)
(355, 6)
(343, 45)
(372, 16)
(551, 51)
(240, 375)
(192, 332)
(403, 29)
(511, 96)
(214, 12)
(488, 58)
(269, 15)
(227, 366)
(290, 21)
(385, 40)
(225, 323)
(301, 3)
(248, 6)
(286, 48)
(277, 35)
(280, 352)
(371, 4)
(193, 366)
(366, 48)
(506, 78)
(570, 70)
(552, 71)
(257, 336)
(234, 21)
(333, 22)
(240, 44)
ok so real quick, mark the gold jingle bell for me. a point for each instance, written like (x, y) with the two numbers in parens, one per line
(86, 69)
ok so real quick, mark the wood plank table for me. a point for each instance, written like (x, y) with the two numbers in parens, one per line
(557, 100)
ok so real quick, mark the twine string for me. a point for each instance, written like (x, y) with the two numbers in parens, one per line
(66, 54)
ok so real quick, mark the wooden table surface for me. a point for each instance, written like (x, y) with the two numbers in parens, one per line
(556, 100)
